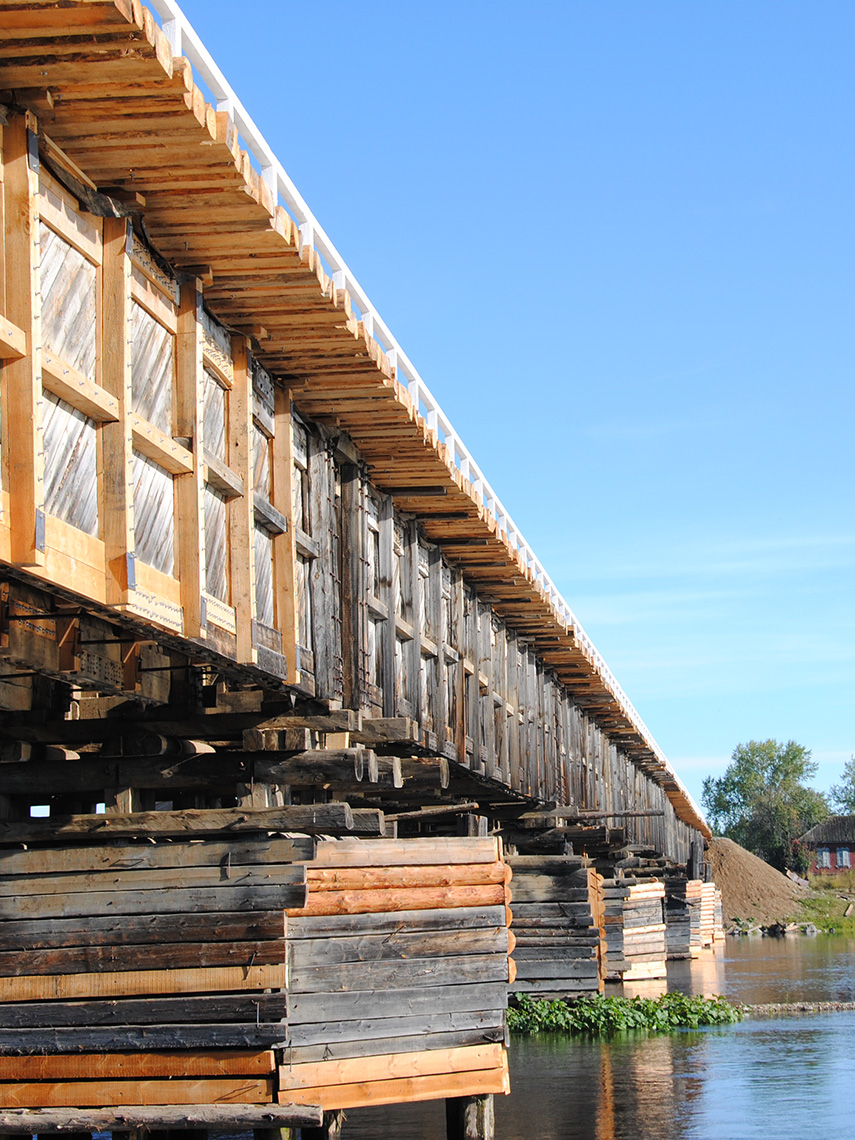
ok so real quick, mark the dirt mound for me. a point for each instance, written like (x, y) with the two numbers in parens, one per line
(750, 888)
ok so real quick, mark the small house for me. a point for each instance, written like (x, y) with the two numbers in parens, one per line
(831, 845)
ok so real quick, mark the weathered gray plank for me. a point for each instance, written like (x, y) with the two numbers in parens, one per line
(215, 898)
(148, 856)
(231, 1117)
(394, 922)
(250, 1009)
(307, 953)
(314, 818)
(345, 1034)
(119, 930)
(339, 1007)
(166, 878)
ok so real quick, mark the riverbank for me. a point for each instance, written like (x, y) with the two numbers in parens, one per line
(755, 895)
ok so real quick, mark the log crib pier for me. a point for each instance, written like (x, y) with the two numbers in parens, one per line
(305, 764)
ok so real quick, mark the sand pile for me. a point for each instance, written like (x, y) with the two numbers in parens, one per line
(750, 888)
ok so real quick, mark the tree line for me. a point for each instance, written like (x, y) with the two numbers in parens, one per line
(764, 803)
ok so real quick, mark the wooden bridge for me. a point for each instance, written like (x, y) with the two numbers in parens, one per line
(255, 590)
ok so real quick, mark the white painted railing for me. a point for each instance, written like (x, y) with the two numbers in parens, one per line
(185, 41)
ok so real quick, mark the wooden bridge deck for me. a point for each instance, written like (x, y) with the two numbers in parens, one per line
(249, 580)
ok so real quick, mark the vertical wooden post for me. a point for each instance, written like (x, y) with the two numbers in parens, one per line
(241, 517)
(353, 634)
(116, 488)
(329, 1130)
(284, 545)
(470, 1118)
(386, 522)
(22, 378)
(189, 488)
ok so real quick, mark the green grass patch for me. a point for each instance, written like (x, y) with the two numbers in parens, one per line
(604, 1016)
(826, 910)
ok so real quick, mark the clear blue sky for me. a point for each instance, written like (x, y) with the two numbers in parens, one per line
(615, 237)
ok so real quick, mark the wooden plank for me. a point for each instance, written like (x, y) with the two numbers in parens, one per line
(96, 1094)
(402, 878)
(13, 341)
(160, 1117)
(406, 852)
(389, 1066)
(224, 897)
(475, 1083)
(182, 955)
(136, 930)
(149, 856)
(402, 974)
(329, 1009)
(418, 1042)
(116, 486)
(284, 545)
(113, 1039)
(424, 898)
(397, 922)
(189, 511)
(377, 947)
(167, 879)
(21, 378)
(365, 1035)
(314, 818)
(240, 513)
(97, 1066)
(248, 1008)
(113, 985)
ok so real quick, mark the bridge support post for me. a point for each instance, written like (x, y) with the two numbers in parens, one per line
(329, 1130)
(470, 1118)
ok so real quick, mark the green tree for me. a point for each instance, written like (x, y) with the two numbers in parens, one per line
(842, 795)
(763, 802)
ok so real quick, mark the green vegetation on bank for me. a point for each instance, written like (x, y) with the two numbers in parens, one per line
(826, 907)
(604, 1016)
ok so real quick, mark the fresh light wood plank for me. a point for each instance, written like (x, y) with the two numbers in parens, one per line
(113, 985)
(402, 877)
(476, 1083)
(390, 1066)
(416, 898)
(407, 852)
(96, 1094)
(116, 1066)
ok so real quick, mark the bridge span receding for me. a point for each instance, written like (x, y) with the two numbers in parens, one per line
(253, 583)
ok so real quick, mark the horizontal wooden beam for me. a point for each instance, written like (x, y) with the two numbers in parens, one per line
(147, 1117)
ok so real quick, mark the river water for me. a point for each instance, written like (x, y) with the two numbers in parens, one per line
(792, 1076)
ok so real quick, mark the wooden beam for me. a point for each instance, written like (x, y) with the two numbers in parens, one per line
(189, 519)
(240, 509)
(22, 376)
(313, 818)
(159, 1117)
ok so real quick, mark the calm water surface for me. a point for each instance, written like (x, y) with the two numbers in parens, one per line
(792, 1077)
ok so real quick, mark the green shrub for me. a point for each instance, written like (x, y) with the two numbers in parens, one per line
(601, 1015)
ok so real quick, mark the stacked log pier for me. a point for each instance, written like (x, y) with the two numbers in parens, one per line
(145, 974)
(558, 926)
(635, 926)
(399, 973)
(242, 981)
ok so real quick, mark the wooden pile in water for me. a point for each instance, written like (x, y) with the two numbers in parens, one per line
(399, 972)
(635, 928)
(557, 922)
(682, 899)
(143, 973)
(694, 917)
